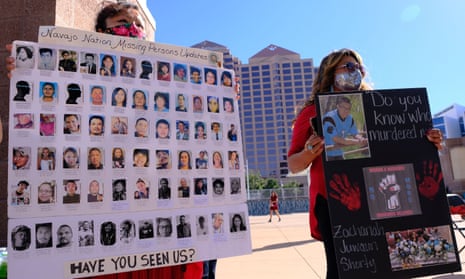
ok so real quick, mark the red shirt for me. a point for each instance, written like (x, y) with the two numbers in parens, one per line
(301, 132)
(192, 271)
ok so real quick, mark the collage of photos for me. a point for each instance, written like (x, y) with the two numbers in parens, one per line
(89, 232)
(31, 56)
(159, 192)
(123, 130)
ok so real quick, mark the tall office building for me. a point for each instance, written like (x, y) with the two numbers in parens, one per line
(275, 83)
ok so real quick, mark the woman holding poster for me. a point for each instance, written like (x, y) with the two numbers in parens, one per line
(339, 71)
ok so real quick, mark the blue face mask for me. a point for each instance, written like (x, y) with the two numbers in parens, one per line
(348, 81)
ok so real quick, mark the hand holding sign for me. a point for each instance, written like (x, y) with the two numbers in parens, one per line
(347, 194)
(429, 180)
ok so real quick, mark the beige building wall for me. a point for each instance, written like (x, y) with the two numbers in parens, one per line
(20, 21)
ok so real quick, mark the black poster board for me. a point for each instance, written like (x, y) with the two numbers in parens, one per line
(389, 212)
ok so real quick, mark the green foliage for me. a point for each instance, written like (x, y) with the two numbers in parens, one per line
(256, 182)
(292, 184)
(271, 183)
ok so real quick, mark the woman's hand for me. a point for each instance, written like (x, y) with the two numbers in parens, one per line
(315, 144)
(434, 135)
(10, 61)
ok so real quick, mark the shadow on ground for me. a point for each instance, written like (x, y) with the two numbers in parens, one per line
(285, 245)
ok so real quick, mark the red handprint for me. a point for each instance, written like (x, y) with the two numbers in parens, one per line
(347, 194)
(429, 180)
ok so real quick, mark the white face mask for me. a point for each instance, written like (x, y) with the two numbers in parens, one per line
(348, 80)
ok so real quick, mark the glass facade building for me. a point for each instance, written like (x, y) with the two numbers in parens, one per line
(274, 84)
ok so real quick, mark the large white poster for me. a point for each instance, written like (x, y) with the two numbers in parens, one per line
(121, 150)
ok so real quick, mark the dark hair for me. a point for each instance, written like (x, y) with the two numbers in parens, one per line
(101, 119)
(45, 50)
(26, 49)
(111, 10)
(115, 91)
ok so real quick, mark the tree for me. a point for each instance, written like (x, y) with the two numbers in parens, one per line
(271, 183)
(256, 182)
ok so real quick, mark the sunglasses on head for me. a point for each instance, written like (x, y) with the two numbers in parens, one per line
(352, 66)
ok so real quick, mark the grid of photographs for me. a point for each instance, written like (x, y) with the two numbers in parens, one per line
(105, 131)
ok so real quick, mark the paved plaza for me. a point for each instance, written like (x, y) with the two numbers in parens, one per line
(285, 250)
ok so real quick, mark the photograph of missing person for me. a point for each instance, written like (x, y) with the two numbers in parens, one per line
(344, 127)
(64, 236)
(163, 71)
(119, 125)
(119, 189)
(391, 191)
(142, 189)
(146, 70)
(48, 93)
(128, 67)
(46, 192)
(72, 189)
(117, 157)
(146, 229)
(218, 187)
(72, 125)
(95, 193)
(86, 233)
(420, 247)
(74, 94)
(181, 103)
(46, 158)
(23, 91)
(163, 159)
(47, 124)
(21, 158)
(108, 65)
(21, 194)
(161, 102)
(25, 57)
(183, 227)
(44, 238)
(237, 222)
(127, 231)
(235, 183)
(88, 63)
(141, 158)
(108, 233)
(200, 186)
(96, 125)
(201, 225)
(47, 59)
(180, 72)
(95, 158)
(97, 95)
(195, 75)
(23, 121)
(21, 238)
(164, 189)
(71, 157)
(164, 227)
(67, 62)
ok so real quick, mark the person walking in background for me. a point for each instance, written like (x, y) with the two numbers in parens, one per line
(274, 206)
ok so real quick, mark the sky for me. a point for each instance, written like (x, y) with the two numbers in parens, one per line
(403, 43)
